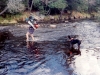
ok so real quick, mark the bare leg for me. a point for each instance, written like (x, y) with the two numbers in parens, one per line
(27, 36)
(32, 37)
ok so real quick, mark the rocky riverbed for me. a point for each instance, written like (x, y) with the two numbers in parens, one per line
(48, 54)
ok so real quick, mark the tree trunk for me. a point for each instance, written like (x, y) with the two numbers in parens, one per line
(46, 2)
(31, 6)
(61, 13)
(28, 4)
(3, 10)
(69, 14)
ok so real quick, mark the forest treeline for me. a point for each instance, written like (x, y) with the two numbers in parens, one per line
(48, 7)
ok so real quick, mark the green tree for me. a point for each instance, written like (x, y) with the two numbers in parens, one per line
(78, 5)
(59, 4)
(12, 6)
(97, 5)
(37, 3)
(26, 3)
(41, 5)
(15, 6)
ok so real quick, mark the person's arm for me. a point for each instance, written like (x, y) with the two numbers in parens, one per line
(31, 24)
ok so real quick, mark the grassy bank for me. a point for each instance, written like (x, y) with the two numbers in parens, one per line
(96, 16)
(20, 18)
(13, 19)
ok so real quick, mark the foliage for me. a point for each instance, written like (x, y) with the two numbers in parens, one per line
(78, 5)
(59, 4)
(97, 5)
(44, 6)
(83, 6)
(37, 3)
(25, 2)
(3, 2)
(41, 6)
(15, 6)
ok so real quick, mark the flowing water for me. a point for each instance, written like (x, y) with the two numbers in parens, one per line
(49, 54)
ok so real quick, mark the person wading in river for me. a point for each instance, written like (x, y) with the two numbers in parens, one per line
(74, 41)
(32, 26)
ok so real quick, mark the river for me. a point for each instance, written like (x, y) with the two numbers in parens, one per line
(48, 54)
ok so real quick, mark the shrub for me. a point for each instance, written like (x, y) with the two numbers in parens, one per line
(15, 6)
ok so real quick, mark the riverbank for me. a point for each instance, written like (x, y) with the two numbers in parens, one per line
(66, 17)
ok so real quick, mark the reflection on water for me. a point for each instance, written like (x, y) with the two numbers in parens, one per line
(35, 58)
(33, 49)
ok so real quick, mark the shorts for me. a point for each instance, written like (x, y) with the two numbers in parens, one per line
(31, 30)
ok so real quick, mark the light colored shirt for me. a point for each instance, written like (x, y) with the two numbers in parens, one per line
(31, 24)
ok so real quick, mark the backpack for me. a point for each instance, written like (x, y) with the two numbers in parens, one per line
(31, 19)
